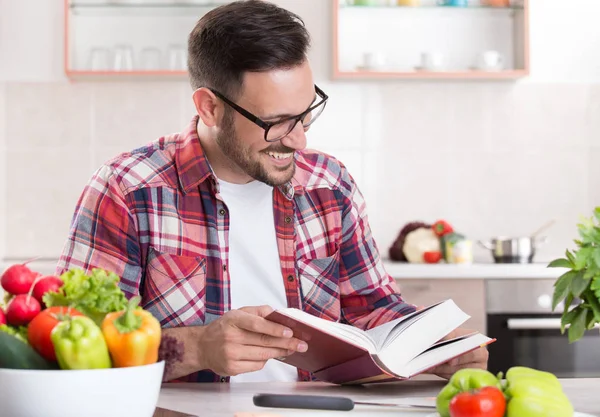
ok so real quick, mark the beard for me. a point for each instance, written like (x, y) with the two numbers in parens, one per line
(253, 163)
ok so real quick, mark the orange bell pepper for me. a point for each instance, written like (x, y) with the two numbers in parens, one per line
(132, 336)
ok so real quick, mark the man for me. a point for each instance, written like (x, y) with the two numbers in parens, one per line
(231, 218)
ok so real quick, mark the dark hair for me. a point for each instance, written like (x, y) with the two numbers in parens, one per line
(244, 36)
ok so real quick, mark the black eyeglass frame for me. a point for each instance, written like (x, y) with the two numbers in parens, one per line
(268, 125)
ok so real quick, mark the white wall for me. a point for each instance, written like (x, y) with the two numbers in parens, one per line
(492, 158)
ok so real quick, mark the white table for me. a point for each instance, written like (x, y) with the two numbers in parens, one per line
(212, 400)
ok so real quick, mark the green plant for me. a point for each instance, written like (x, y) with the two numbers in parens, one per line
(579, 287)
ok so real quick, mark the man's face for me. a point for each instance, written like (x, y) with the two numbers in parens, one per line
(270, 96)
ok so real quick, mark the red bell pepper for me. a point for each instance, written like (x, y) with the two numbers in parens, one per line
(442, 227)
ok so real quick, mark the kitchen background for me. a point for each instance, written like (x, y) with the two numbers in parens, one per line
(491, 157)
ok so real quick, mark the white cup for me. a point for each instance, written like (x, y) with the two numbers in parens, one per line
(373, 60)
(490, 61)
(123, 59)
(432, 61)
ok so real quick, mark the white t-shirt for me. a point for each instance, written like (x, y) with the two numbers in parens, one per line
(254, 266)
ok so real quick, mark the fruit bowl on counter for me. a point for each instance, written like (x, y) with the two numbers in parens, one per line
(75, 345)
(115, 392)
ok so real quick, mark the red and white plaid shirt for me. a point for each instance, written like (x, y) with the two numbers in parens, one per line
(154, 216)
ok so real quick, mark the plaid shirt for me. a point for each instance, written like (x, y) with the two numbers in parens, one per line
(155, 217)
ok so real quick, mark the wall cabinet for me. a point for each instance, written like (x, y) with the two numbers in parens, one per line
(431, 39)
(468, 294)
(139, 38)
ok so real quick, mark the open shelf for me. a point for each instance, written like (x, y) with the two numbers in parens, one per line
(132, 9)
(397, 40)
(135, 39)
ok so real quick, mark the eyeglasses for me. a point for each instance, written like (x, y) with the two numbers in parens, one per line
(275, 131)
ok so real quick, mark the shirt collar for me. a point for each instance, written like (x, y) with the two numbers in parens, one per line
(193, 167)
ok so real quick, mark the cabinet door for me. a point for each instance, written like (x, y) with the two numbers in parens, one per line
(468, 294)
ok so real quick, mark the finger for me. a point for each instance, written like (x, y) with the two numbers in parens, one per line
(263, 340)
(475, 356)
(261, 311)
(257, 324)
(259, 353)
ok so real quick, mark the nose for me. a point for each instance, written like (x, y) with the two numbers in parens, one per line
(296, 139)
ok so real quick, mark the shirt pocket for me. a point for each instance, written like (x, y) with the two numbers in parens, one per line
(319, 284)
(175, 288)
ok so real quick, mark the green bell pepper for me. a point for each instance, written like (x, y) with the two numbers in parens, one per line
(80, 344)
(534, 393)
(464, 380)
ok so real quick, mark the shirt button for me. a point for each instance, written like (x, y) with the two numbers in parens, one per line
(223, 379)
(222, 212)
(288, 219)
(225, 268)
(290, 278)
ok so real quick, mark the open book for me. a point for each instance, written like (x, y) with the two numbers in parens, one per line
(400, 349)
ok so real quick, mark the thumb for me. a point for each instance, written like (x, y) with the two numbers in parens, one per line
(261, 311)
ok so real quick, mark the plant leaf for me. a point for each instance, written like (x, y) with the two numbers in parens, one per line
(567, 318)
(596, 255)
(560, 263)
(561, 287)
(582, 258)
(570, 257)
(597, 213)
(594, 303)
(579, 284)
(578, 325)
(590, 320)
(591, 271)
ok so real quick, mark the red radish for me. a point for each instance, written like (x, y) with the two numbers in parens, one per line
(2, 317)
(18, 279)
(22, 309)
(46, 284)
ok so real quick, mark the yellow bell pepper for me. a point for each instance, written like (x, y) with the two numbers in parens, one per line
(132, 336)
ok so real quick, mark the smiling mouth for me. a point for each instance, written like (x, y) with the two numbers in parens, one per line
(280, 155)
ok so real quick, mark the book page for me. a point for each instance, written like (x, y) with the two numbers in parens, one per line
(419, 335)
(343, 331)
(443, 352)
(387, 332)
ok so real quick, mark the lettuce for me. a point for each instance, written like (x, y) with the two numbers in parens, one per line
(19, 332)
(94, 295)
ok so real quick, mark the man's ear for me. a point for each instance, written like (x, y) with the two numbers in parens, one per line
(208, 107)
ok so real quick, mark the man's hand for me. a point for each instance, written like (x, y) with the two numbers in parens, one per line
(243, 341)
(475, 359)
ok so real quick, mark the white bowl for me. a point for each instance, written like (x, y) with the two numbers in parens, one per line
(115, 392)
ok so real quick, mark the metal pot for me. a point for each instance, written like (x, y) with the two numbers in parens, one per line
(512, 250)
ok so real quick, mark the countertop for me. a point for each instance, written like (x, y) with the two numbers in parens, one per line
(216, 399)
(400, 270)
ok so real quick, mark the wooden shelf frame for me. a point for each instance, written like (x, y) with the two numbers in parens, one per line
(74, 74)
(468, 74)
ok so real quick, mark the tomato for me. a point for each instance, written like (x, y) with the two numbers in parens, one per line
(432, 257)
(40, 328)
(485, 402)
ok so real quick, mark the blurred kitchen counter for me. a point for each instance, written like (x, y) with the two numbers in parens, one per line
(400, 270)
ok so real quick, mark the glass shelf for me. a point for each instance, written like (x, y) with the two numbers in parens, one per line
(138, 8)
(429, 7)
(140, 5)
